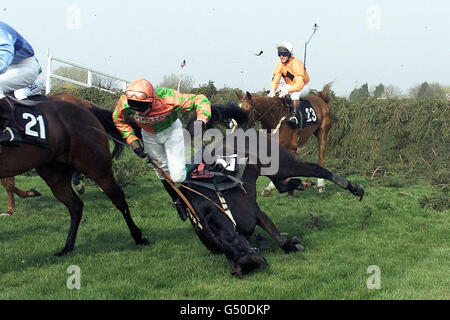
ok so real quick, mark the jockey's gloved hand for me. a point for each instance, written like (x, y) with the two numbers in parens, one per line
(283, 93)
(140, 152)
(271, 93)
(138, 148)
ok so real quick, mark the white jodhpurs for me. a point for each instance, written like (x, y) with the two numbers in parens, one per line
(166, 148)
(19, 75)
(37, 87)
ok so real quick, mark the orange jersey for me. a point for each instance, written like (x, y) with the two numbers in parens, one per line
(163, 113)
(293, 73)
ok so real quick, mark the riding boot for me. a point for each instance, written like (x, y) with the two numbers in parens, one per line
(294, 122)
(177, 202)
(10, 132)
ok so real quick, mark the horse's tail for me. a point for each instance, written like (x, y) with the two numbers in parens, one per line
(325, 93)
(228, 111)
(105, 117)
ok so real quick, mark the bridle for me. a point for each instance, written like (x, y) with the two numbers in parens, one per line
(254, 111)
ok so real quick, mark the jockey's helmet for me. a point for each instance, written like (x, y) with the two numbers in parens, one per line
(140, 95)
(285, 47)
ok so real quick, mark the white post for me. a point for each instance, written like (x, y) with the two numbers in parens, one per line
(49, 70)
(89, 78)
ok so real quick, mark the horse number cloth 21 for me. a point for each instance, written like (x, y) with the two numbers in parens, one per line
(34, 124)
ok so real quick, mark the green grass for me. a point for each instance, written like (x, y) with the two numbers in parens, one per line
(342, 237)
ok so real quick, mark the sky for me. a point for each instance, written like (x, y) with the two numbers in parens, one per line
(395, 42)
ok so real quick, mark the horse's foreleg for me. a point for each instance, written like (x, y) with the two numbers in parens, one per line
(322, 137)
(8, 184)
(31, 193)
(321, 172)
(288, 245)
(58, 178)
(115, 194)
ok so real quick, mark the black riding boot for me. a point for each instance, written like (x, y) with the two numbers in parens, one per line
(294, 122)
(9, 132)
(177, 202)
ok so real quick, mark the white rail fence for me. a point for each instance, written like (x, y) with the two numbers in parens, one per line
(90, 72)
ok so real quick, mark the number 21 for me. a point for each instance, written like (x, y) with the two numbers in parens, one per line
(31, 123)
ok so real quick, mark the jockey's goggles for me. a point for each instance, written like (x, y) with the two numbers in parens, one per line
(139, 95)
(283, 54)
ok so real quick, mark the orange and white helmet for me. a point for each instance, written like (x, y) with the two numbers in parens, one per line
(140, 90)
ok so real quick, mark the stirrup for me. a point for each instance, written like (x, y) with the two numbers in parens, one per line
(4, 136)
(293, 122)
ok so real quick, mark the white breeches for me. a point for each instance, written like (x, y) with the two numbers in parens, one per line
(19, 75)
(166, 148)
(36, 87)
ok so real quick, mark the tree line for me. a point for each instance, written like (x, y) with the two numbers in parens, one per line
(221, 95)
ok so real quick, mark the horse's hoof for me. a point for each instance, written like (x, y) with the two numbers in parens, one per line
(265, 193)
(143, 241)
(357, 190)
(293, 245)
(7, 213)
(63, 252)
(262, 242)
(237, 271)
(308, 184)
(321, 189)
(80, 188)
(34, 193)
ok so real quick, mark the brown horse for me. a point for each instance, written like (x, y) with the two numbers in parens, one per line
(75, 143)
(272, 113)
(10, 187)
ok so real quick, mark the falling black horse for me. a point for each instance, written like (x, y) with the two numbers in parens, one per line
(227, 218)
(73, 139)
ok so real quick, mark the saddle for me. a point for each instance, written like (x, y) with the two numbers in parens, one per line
(26, 119)
(305, 111)
(225, 174)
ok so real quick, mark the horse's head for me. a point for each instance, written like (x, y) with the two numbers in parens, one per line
(247, 104)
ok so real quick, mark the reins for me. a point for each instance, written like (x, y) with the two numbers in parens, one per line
(228, 214)
(266, 111)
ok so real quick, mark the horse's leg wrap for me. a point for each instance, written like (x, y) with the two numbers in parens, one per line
(341, 181)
